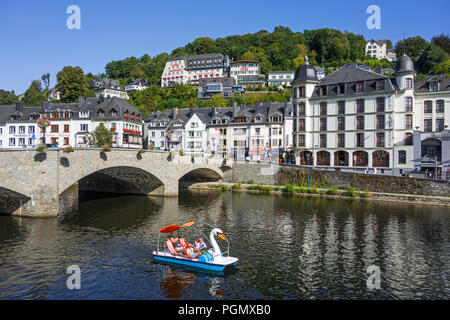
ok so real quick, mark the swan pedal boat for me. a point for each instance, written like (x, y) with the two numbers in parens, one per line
(217, 260)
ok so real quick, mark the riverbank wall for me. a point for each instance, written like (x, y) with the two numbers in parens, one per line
(339, 194)
(259, 173)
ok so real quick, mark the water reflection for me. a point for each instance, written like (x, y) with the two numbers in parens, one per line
(289, 248)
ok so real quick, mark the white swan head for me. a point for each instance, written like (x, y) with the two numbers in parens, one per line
(219, 233)
(216, 232)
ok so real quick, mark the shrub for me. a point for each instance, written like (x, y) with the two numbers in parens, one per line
(106, 149)
(68, 150)
(277, 188)
(237, 186)
(332, 191)
(222, 187)
(366, 194)
(41, 148)
(141, 151)
(181, 153)
(288, 188)
(350, 192)
(300, 189)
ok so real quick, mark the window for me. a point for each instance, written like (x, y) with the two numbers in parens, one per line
(301, 125)
(360, 140)
(12, 141)
(31, 129)
(360, 106)
(22, 130)
(21, 141)
(409, 139)
(380, 122)
(341, 89)
(301, 91)
(428, 106)
(360, 86)
(408, 121)
(380, 140)
(408, 83)
(194, 125)
(439, 125)
(191, 134)
(66, 141)
(380, 104)
(83, 127)
(323, 140)
(434, 86)
(12, 130)
(380, 85)
(323, 91)
(408, 104)
(402, 157)
(360, 123)
(301, 109)
(440, 106)
(341, 123)
(341, 140)
(323, 124)
(428, 125)
(301, 140)
(54, 128)
(341, 107)
(66, 128)
(323, 108)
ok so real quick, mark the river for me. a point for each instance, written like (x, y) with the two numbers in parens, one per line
(289, 248)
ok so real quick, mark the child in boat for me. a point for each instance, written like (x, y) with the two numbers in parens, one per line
(200, 245)
(178, 247)
(190, 252)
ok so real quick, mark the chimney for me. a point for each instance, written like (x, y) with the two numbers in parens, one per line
(158, 113)
(214, 111)
(19, 106)
(379, 70)
(174, 113)
(81, 100)
(44, 107)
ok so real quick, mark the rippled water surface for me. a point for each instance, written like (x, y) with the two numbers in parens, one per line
(289, 248)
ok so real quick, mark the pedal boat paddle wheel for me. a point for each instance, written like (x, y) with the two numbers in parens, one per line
(212, 259)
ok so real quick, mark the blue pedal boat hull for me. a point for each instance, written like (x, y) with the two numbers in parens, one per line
(209, 266)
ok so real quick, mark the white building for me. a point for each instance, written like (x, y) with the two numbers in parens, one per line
(71, 124)
(189, 70)
(239, 132)
(136, 85)
(277, 78)
(378, 49)
(247, 73)
(108, 88)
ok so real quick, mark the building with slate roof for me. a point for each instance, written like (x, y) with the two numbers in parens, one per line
(246, 131)
(71, 124)
(108, 88)
(189, 70)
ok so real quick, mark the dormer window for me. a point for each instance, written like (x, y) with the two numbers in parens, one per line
(101, 113)
(380, 85)
(113, 113)
(408, 83)
(257, 119)
(434, 86)
(360, 86)
(323, 91)
(54, 115)
(341, 89)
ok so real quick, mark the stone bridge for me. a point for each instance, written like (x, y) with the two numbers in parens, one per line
(31, 183)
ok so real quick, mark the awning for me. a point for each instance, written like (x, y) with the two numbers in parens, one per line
(174, 227)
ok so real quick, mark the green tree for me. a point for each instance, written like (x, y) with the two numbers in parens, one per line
(71, 84)
(414, 46)
(442, 41)
(7, 98)
(442, 68)
(46, 80)
(218, 100)
(430, 58)
(34, 95)
(103, 137)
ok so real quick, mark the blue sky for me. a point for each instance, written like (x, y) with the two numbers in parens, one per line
(34, 38)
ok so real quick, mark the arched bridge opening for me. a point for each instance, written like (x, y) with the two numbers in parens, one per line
(199, 175)
(11, 202)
